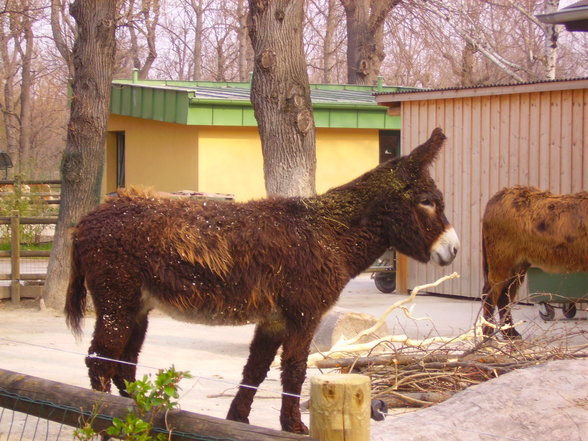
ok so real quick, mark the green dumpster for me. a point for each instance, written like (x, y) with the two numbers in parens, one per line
(568, 290)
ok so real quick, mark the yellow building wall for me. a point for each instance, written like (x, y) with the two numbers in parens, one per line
(172, 157)
(159, 155)
(231, 161)
(344, 154)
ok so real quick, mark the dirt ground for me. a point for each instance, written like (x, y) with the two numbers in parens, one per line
(38, 343)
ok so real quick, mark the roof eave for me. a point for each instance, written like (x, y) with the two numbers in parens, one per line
(470, 92)
(564, 16)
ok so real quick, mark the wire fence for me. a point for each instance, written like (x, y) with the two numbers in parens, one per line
(33, 408)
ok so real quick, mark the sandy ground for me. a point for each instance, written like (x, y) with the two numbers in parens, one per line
(38, 343)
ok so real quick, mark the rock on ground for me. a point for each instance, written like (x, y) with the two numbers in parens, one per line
(545, 402)
(341, 322)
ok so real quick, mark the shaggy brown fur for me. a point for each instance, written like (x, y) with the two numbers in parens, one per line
(280, 263)
(523, 227)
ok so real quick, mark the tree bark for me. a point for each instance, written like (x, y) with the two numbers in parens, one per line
(197, 49)
(551, 37)
(280, 94)
(329, 55)
(365, 38)
(26, 55)
(8, 107)
(244, 44)
(83, 159)
(59, 27)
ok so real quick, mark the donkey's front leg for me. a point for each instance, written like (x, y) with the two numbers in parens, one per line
(267, 339)
(294, 359)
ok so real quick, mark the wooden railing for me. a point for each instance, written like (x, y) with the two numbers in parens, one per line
(15, 253)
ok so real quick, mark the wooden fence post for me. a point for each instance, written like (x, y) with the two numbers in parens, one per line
(340, 407)
(15, 257)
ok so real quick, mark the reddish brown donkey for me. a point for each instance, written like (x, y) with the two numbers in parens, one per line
(278, 262)
(524, 227)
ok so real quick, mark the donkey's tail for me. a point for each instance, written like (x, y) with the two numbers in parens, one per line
(75, 301)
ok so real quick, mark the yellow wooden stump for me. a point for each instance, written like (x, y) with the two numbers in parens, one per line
(340, 407)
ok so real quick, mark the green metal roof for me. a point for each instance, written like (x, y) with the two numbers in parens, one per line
(228, 103)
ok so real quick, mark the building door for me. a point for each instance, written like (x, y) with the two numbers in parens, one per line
(389, 144)
(114, 167)
(120, 159)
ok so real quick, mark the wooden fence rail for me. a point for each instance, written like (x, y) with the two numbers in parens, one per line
(72, 405)
(15, 253)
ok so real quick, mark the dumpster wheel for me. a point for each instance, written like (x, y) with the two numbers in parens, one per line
(385, 281)
(569, 310)
(546, 311)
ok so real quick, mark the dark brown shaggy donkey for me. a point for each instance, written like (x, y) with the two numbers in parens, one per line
(279, 262)
(524, 227)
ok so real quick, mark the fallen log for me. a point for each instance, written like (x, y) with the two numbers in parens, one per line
(361, 362)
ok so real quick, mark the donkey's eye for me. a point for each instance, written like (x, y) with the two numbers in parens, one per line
(427, 203)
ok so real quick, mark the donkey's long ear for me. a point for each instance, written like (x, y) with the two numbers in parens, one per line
(426, 153)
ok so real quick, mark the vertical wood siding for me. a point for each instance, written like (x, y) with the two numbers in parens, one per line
(538, 139)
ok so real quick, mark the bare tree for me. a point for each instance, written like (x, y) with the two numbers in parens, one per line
(177, 61)
(142, 20)
(245, 50)
(365, 38)
(495, 30)
(17, 43)
(324, 41)
(280, 94)
(198, 8)
(81, 169)
(63, 32)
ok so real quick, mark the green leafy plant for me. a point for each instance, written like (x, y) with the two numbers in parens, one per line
(151, 397)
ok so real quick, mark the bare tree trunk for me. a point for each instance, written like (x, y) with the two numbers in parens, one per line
(83, 159)
(16, 56)
(244, 43)
(150, 12)
(143, 23)
(59, 21)
(329, 58)
(221, 60)
(280, 94)
(365, 38)
(26, 96)
(551, 37)
(197, 50)
(9, 70)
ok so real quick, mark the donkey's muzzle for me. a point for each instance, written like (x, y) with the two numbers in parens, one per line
(445, 247)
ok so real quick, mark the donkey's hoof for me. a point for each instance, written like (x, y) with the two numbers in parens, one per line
(511, 334)
(295, 427)
(235, 416)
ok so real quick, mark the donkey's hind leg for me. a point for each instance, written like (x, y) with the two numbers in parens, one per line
(115, 327)
(487, 311)
(267, 339)
(294, 359)
(506, 301)
(128, 368)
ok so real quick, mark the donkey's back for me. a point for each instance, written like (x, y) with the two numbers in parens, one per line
(206, 262)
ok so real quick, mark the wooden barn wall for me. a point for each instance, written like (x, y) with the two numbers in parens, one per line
(538, 139)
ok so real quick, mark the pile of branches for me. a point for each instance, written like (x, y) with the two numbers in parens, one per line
(416, 373)
(408, 376)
